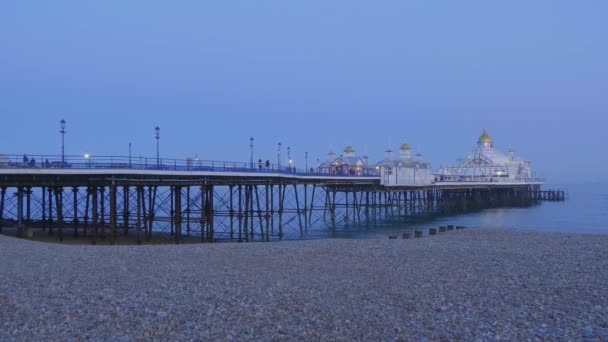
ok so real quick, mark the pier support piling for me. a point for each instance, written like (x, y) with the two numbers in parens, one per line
(113, 214)
(75, 218)
(2, 201)
(19, 211)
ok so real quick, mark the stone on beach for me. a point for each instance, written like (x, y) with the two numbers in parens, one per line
(470, 284)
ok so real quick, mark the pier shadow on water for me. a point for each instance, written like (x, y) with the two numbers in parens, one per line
(477, 216)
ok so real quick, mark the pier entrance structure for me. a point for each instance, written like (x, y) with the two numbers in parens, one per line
(185, 200)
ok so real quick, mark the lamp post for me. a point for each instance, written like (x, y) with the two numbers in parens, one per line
(87, 157)
(62, 131)
(279, 156)
(157, 136)
(251, 152)
(306, 159)
(129, 155)
(289, 157)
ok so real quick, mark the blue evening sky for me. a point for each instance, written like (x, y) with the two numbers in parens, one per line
(315, 75)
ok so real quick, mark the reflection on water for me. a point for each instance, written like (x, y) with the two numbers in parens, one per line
(584, 211)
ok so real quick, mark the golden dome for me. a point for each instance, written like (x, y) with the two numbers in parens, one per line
(405, 147)
(349, 149)
(485, 137)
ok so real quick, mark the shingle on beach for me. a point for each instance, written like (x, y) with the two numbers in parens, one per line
(467, 284)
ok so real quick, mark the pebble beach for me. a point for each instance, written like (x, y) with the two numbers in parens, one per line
(470, 284)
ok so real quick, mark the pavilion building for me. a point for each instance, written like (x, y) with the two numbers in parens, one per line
(347, 164)
(487, 164)
(406, 170)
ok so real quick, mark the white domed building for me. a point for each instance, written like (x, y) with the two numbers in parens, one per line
(347, 164)
(406, 170)
(487, 164)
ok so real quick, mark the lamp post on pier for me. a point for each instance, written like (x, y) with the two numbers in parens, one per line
(157, 137)
(306, 159)
(279, 156)
(251, 152)
(289, 157)
(62, 131)
(87, 157)
(129, 155)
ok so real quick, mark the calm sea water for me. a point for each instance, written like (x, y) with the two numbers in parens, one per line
(584, 211)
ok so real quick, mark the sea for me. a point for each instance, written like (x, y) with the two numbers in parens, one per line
(585, 210)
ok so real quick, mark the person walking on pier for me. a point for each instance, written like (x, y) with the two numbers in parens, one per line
(259, 163)
(267, 164)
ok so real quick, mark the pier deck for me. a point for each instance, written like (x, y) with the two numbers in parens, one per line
(222, 200)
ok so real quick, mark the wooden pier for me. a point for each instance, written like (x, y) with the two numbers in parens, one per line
(246, 204)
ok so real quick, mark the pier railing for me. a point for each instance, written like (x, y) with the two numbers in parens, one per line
(476, 179)
(164, 164)
(85, 162)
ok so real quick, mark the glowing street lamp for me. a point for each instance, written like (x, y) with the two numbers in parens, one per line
(87, 157)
